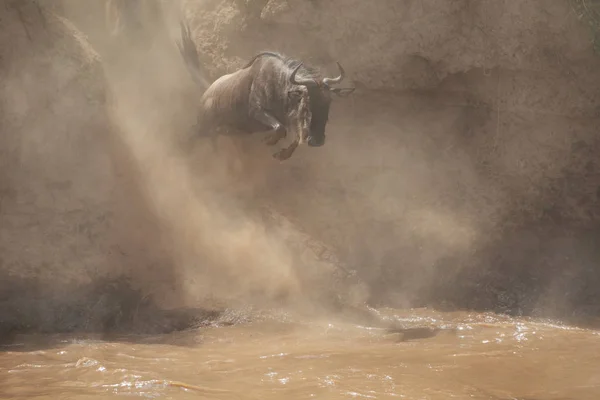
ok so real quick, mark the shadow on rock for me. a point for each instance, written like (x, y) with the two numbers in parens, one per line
(105, 309)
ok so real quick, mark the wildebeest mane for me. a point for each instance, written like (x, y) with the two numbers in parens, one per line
(305, 71)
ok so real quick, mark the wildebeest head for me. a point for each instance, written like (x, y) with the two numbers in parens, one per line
(310, 101)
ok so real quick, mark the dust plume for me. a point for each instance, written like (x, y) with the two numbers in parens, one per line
(221, 247)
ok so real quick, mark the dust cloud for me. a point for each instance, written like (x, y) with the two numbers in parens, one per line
(461, 174)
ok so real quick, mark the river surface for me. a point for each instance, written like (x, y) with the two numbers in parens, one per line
(427, 355)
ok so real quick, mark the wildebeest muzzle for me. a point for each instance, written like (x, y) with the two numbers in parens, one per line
(315, 142)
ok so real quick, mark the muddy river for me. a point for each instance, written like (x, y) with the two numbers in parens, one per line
(425, 355)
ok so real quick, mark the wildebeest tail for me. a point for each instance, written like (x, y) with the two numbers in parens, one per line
(188, 51)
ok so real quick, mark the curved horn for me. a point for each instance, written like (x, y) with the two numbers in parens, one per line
(329, 81)
(301, 82)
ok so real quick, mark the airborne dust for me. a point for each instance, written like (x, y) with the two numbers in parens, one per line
(461, 174)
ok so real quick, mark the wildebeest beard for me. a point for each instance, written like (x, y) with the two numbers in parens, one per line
(319, 106)
(300, 118)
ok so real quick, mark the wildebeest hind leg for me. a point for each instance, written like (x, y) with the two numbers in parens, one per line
(286, 152)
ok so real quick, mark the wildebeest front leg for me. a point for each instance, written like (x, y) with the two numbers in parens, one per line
(280, 133)
(267, 119)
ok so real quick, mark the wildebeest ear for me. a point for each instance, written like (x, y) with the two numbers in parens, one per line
(343, 92)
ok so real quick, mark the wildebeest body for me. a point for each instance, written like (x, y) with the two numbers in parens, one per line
(271, 92)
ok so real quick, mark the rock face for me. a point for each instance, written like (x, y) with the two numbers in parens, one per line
(466, 153)
(53, 128)
(67, 223)
(396, 45)
(462, 173)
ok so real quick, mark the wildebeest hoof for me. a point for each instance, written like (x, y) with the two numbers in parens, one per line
(282, 155)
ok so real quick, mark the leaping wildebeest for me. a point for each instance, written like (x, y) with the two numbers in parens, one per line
(270, 93)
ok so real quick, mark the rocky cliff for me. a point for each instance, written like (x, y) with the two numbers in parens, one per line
(462, 172)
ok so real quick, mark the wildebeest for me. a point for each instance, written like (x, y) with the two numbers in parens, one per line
(270, 93)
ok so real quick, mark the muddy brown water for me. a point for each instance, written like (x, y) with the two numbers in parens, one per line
(426, 355)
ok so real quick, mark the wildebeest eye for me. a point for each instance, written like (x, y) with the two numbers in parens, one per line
(295, 95)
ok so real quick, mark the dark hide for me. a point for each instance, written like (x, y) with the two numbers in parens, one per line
(270, 93)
